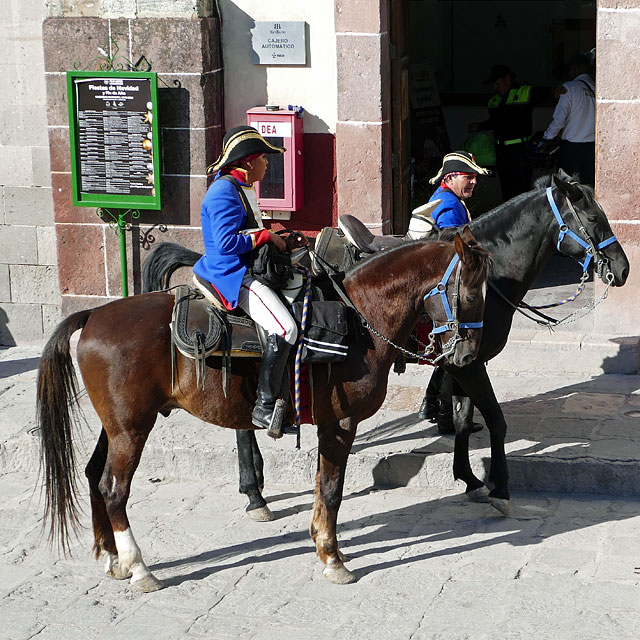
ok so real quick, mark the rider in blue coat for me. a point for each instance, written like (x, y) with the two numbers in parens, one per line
(457, 177)
(231, 228)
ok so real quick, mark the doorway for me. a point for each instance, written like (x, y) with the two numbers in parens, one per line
(441, 52)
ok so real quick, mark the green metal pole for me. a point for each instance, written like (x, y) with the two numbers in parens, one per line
(122, 227)
(119, 224)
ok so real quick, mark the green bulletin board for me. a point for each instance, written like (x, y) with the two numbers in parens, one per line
(113, 131)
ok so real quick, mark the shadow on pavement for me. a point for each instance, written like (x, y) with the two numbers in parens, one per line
(594, 422)
(450, 520)
(13, 367)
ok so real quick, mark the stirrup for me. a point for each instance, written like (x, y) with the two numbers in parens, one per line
(277, 426)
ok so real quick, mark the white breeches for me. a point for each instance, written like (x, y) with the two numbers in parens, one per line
(265, 308)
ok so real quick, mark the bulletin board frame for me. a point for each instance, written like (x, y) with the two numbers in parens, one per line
(111, 167)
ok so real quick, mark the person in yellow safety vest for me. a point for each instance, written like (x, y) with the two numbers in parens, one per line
(510, 115)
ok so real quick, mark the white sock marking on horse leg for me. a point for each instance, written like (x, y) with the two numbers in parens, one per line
(129, 555)
(110, 560)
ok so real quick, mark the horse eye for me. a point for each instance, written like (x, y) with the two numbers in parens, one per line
(592, 219)
(470, 299)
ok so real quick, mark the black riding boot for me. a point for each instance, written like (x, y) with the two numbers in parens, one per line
(444, 418)
(285, 391)
(431, 402)
(269, 410)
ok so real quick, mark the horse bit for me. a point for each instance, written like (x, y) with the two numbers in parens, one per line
(452, 323)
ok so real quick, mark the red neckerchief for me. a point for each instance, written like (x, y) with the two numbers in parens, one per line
(239, 174)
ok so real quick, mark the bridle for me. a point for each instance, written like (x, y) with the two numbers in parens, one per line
(592, 250)
(452, 323)
(451, 312)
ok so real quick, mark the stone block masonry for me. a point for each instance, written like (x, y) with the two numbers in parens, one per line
(185, 53)
(28, 267)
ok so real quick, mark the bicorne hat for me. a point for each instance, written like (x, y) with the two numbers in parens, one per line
(239, 143)
(458, 162)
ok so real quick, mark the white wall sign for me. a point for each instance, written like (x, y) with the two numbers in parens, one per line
(279, 43)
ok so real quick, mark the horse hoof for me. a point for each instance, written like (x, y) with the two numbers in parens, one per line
(342, 557)
(500, 504)
(261, 514)
(481, 494)
(341, 575)
(117, 573)
(148, 584)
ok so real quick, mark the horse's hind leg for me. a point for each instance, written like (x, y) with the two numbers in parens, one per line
(123, 456)
(334, 444)
(103, 540)
(250, 466)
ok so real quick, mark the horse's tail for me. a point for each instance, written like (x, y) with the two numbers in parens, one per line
(56, 407)
(162, 262)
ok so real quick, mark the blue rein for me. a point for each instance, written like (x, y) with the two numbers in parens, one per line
(565, 231)
(441, 288)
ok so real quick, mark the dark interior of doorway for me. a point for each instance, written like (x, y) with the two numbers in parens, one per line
(452, 44)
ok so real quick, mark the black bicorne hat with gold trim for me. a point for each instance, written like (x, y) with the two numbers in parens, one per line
(239, 143)
(458, 162)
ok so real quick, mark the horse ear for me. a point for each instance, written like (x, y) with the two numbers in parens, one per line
(463, 251)
(570, 189)
(468, 236)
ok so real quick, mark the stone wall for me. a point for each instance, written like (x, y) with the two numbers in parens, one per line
(185, 53)
(617, 143)
(29, 297)
(363, 150)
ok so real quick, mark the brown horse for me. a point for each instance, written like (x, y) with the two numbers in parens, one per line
(127, 375)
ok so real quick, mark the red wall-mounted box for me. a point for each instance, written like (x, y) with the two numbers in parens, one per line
(282, 188)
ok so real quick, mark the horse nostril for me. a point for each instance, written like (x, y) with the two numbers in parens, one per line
(466, 359)
(623, 275)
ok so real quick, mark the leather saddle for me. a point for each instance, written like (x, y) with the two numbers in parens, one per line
(202, 327)
(421, 226)
(359, 236)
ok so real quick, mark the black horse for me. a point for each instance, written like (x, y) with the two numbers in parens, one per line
(521, 235)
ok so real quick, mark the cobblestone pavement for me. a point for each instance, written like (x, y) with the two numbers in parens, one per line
(429, 565)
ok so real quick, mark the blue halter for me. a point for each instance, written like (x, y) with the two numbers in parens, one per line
(590, 248)
(441, 288)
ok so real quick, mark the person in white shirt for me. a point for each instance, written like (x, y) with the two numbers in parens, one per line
(575, 116)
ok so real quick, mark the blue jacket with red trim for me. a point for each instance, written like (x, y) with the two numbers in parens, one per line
(227, 245)
(450, 212)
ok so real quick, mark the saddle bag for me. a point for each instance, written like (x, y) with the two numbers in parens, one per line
(333, 248)
(271, 267)
(326, 333)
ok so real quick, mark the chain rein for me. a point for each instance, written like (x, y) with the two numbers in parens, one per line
(452, 323)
